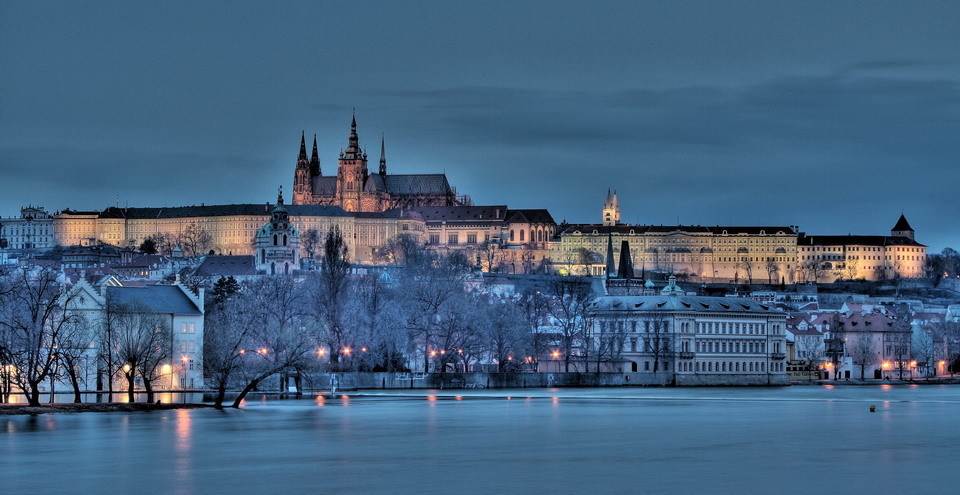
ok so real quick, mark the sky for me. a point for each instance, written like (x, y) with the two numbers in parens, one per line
(834, 116)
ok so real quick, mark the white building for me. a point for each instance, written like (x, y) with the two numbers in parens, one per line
(179, 313)
(701, 340)
(32, 230)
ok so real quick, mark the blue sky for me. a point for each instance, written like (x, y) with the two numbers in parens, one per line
(834, 116)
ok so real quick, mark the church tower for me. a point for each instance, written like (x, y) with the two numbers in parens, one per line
(611, 210)
(902, 228)
(352, 172)
(301, 177)
(277, 243)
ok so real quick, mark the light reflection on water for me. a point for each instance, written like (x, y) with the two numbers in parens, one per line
(583, 440)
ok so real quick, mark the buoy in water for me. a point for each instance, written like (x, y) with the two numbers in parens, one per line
(873, 408)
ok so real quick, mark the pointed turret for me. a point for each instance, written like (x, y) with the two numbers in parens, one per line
(625, 270)
(611, 209)
(383, 157)
(902, 228)
(611, 269)
(279, 198)
(303, 147)
(315, 159)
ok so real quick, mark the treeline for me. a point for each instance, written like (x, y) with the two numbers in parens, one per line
(423, 315)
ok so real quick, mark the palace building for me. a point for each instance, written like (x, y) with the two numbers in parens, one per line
(355, 189)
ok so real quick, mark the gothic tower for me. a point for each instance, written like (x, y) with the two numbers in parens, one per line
(383, 158)
(352, 172)
(315, 160)
(301, 177)
(611, 210)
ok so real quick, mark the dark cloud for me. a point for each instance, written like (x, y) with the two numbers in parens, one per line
(831, 116)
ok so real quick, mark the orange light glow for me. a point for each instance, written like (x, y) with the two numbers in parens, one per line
(363, 349)
(555, 354)
(433, 353)
(886, 365)
(243, 351)
(942, 363)
(829, 365)
(459, 351)
(913, 364)
(321, 352)
(184, 359)
(346, 351)
(443, 351)
(126, 368)
(509, 358)
(165, 369)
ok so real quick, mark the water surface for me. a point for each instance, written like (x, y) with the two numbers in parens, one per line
(711, 440)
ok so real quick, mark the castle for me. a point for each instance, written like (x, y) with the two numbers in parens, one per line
(356, 190)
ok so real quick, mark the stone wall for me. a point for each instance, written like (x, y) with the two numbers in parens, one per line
(355, 380)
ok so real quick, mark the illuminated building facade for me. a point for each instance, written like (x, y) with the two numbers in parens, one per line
(354, 188)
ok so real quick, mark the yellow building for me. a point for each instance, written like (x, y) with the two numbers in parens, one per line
(230, 229)
(826, 258)
(695, 253)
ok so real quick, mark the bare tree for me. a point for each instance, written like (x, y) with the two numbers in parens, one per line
(376, 311)
(427, 284)
(332, 293)
(861, 349)
(505, 334)
(535, 307)
(810, 348)
(272, 332)
(75, 343)
(772, 270)
(310, 240)
(32, 324)
(571, 297)
(923, 349)
(195, 240)
(658, 340)
(141, 340)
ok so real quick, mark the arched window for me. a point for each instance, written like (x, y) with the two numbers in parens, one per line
(274, 239)
(511, 235)
(521, 234)
(284, 239)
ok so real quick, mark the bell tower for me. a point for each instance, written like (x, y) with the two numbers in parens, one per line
(611, 210)
(351, 171)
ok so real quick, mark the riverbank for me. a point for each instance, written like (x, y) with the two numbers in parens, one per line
(12, 409)
(851, 381)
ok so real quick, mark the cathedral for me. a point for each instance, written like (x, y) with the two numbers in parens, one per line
(353, 188)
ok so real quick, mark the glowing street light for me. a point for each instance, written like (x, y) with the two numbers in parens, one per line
(346, 351)
(555, 354)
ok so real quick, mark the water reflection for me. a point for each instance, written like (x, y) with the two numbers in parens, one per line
(383, 444)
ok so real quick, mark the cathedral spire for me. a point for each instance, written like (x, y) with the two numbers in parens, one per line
(353, 151)
(383, 157)
(315, 159)
(303, 147)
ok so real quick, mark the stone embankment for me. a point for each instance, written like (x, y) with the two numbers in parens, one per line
(7, 409)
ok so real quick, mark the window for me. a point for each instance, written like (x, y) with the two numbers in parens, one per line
(521, 234)
(434, 238)
(471, 238)
(453, 239)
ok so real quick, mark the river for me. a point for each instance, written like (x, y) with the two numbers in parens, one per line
(804, 439)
